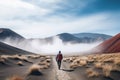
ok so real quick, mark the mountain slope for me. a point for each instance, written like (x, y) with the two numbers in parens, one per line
(66, 37)
(93, 36)
(7, 49)
(83, 37)
(111, 45)
(7, 33)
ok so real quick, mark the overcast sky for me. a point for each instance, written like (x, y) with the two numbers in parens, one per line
(43, 18)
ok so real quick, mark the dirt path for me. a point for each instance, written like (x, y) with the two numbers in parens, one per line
(60, 74)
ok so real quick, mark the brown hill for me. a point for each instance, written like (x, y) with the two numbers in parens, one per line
(111, 45)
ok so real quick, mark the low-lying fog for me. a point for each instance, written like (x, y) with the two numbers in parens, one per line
(37, 47)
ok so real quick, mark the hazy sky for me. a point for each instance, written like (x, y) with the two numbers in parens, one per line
(43, 18)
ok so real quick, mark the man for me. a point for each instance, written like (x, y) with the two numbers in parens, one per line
(59, 58)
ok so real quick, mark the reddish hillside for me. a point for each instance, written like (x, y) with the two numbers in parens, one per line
(111, 45)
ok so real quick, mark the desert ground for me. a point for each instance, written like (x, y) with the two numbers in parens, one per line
(40, 67)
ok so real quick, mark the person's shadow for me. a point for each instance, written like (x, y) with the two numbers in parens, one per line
(68, 70)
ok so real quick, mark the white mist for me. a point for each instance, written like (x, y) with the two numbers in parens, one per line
(37, 47)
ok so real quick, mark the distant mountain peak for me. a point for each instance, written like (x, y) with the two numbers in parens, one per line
(4, 29)
(64, 34)
(66, 37)
(90, 35)
(8, 33)
(83, 37)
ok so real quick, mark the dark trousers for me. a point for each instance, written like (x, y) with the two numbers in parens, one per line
(59, 64)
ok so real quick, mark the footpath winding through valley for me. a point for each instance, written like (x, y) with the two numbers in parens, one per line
(60, 74)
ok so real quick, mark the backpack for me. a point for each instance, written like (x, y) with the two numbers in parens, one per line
(59, 57)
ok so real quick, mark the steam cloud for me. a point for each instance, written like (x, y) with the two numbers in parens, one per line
(37, 47)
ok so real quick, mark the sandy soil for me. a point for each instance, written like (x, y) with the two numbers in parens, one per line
(52, 73)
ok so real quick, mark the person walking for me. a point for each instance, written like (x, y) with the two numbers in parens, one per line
(59, 58)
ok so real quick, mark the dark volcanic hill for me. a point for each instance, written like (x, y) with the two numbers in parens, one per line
(7, 49)
(7, 33)
(83, 37)
(93, 36)
(66, 37)
(111, 45)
